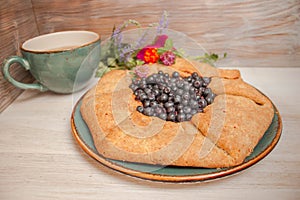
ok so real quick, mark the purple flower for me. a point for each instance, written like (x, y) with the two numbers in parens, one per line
(163, 23)
(142, 71)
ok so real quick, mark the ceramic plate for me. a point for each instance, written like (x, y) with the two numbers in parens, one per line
(171, 173)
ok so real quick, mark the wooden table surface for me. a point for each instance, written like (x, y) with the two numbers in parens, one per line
(40, 159)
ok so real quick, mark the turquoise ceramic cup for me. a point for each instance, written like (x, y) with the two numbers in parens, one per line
(62, 62)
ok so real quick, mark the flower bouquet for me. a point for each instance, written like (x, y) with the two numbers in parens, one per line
(138, 48)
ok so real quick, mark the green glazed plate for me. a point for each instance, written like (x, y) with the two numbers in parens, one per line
(172, 173)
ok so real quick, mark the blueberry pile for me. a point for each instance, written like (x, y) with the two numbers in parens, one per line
(172, 98)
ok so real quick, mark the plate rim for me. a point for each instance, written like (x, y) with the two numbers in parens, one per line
(175, 178)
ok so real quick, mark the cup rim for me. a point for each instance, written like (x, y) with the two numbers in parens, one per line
(97, 38)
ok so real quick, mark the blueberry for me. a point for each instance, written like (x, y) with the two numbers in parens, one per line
(179, 92)
(174, 88)
(188, 117)
(177, 98)
(193, 111)
(171, 117)
(172, 98)
(202, 103)
(138, 92)
(188, 79)
(172, 94)
(198, 93)
(202, 89)
(133, 87)
(195, 75)
(158, 80)
(151, 96)
(149, 86)
(167, 90)
(173, 80)
(197, 84)
(179, 107)
(207, 91)
(180, 84)
(200, 110)
(147, 90)
(180, 111)
(163, 98)
(153, 104)
(156, 92)
(136, 81)
(175, 75)
(186, 96)
(193, 103)
(184, 102)
(161, 87)
(206, 80)
(163, 116)
(148, 111)
(181, 117)
(168, 104)
(186, 86)
(143, 86)
(166, 80)
(210, 98)
(146, 103)
(170, 109)
(187, 109)
(192, 90)
(143, 97)
(192, 96)
(150, 79)
(158, 110)
(140, 109)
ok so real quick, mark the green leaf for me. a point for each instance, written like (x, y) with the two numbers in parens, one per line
(168, 44)
(101, 65)
(210, 58)
(130, 63)
(178, 53)
(103, 69)
(161, 50)
(139, 62)
(213, 57)
(111, 62)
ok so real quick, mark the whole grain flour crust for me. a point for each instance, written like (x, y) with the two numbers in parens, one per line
(222, 136)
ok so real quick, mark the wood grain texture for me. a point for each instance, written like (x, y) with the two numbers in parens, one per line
(253, 33)
(17, 24)
(40, 159)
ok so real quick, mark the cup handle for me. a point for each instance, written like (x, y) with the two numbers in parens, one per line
(24, 63)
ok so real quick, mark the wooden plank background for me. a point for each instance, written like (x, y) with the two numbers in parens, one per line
(17, 23)
(253, 33)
